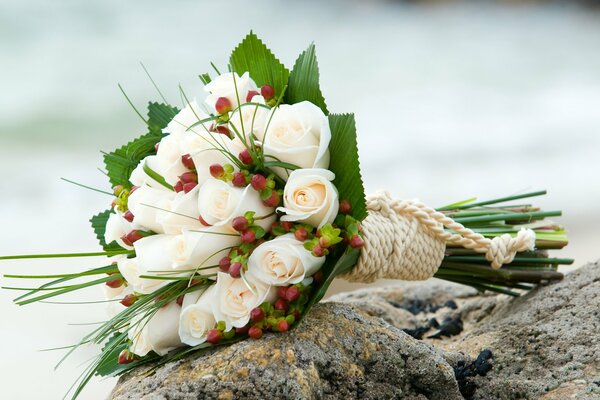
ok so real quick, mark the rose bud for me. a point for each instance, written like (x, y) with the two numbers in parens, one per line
(267, 92)
(282, 326)
(258, 182)
(239, 180)
(115, 283)
(345, 207)
(128, 300)
(188, 177)
(188, 187)
(255, 332)
(240, 224)
(250, 95)
(301, 234)
(224, 264)
(356, 242)
(128, 216)
(214, 336)
(292, 294)
(272, 201)
(281, 305)
(223, 105)
(245, 157)
(281, 291)
(216, 170)
(257, 314)
(178, 187)
(126, 357)
(187, 161)
(234, 270)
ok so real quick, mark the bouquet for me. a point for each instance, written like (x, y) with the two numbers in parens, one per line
(231, 217)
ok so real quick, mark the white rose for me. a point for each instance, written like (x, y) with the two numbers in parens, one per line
(170, 170)
(234, 300)
(147, 204)
(132, 272)
(183, 213)
(219, 203)
(159, 333)
(283, 261)
(224, 86)
(184, 120)
(114, 306)
(310, 197)
(298, 134)
(196, 316)
(117, 227)
(249, 118)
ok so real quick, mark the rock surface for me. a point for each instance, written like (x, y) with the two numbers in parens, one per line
(362, 345)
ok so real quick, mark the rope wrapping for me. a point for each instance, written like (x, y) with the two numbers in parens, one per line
(405, 239)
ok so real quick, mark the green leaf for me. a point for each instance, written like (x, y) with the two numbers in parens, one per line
(304, 81)
(159, 116)
(99, 225)
(252, 56)
(344, 163)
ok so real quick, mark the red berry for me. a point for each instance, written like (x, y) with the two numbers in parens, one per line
(179, 300)
(272, 201)
(318, 251)
(287, 225)
(126, 357)
(324, 242)
(250, 95)
(240, 224)
(245, 157)
(356, 242)
(234, 270)
(292, 294)
(115, 283)
(281, 291)
(258, 182)
(188, 177)
(216, 170)
(223, 105)
(188, 187)
(128, 300)
(281, 304)
(203, 222)
(301, 234)
(133, 237)
(345, 207)
(257, 314)
(239, 180)
(224, 264)
(248, 236)
(178, 187)
(214, 336)
(222, 129)
(318, 276)
(267, 92)
(255, 332)
(128, 216)
(282, 325)
(243, 330)
(187, 161)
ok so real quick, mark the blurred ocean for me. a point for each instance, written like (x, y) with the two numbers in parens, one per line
(452, 101)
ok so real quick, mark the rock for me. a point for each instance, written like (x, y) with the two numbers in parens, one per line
(543, 345)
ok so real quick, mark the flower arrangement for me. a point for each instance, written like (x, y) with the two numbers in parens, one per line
(231, 217)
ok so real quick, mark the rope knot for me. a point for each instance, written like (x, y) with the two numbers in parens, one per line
(504, 248)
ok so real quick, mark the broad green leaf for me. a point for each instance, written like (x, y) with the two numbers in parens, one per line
(304, 81)
(252, 56)
(159, 116)
(344, 163)
(99, 225)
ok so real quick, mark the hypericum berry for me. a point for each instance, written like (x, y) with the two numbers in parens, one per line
(324, 242)
(356, 242)
(128, 216)
(126, 357)
(255, 332)
(318, 251)
(234, 270)
(178, 187)
(115, 283)
(287, 225)
(224, 264)
(188, 177)
(248, 236)
(250, 95)
(187, 161)
(245, 157)
(222, 129)
(243, 330)
(214, 336)
(282, 326)
(318, 276)
(281, 291)
(240, 224)
(257, 314)
(267, 92)
(345, 207)
(258, 182)
(223, 105)
(281, 305)
(216, 170)
(239, 180)
(272, 201)
(128, 300)
(301, 234)
(203, 221)
(292, 294)
(118, 189)
(188, 187)
(133, 237)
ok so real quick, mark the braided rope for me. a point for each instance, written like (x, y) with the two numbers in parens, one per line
(406, 239)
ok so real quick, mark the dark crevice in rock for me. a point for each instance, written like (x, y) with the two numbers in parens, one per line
(465, 371)
(451, 326)
(420, 331)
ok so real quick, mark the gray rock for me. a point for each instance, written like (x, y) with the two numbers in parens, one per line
(545, 345)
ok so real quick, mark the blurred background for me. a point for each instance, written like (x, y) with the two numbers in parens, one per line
(452, 100)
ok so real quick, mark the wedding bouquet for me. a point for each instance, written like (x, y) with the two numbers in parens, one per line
(231, 217)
